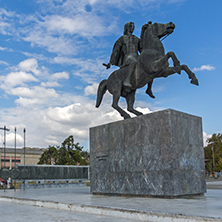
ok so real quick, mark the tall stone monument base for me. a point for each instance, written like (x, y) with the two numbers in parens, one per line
(159, 154)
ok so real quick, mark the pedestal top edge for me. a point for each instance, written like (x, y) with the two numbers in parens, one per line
(169, 110)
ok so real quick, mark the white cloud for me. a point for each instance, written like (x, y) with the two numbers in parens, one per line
(3, 63)
(17, 83)
(78, 24)
(28, 101)
(4, 12)
(204, 67)
(76, 119)
(29, 65)
(10, 139)
(87, 69)
(50, 84)
(2, 48)
(66, 30)
(5, 25)
(90, 70)
(16, 78)
(6, 49)
(143, 110)
(65, 60)
(51, 124)
(54, 78)
(100, 6)
(36, 56)
(91, 89)
(66, 27)
(205, 137)
(59, 75)
(59, 44)
(34, 92)
(52, 140)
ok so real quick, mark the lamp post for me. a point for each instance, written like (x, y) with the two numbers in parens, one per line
(15, 149)
(5, 129)
(24, 145)
(212, 148)
(24, 158)
(6, 171)
(15, 160)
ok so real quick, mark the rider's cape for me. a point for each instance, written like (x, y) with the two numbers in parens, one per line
(120, 49)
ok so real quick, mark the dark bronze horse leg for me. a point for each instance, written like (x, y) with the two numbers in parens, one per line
(130, 99)
(169, 71)
(149, 89)
(172, 70)
(159, 64)
(116, 96)
(190, 74)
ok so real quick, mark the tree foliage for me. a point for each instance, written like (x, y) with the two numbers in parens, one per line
(213, 153)
(69, 153)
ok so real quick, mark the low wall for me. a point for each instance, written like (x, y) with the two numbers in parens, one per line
(51, 185)
(45, 172)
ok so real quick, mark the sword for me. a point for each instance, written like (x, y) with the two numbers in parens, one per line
(106, 65)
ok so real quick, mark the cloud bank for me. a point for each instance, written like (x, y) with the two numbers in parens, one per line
(204, 67)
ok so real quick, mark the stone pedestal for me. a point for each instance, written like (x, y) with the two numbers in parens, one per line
(158, 154)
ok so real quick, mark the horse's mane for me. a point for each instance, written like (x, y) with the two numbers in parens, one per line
(143, 29)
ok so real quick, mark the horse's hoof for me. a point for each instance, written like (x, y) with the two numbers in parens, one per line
(127, 116)
(150, 94)
(195, 82)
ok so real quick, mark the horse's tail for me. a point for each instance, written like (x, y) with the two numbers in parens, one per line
(101, 91)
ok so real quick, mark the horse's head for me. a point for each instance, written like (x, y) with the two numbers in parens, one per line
(158, 30)
(161, 30)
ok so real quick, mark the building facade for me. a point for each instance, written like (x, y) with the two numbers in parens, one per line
(12, 157)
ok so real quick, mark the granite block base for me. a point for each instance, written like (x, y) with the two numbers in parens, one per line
(157, 154)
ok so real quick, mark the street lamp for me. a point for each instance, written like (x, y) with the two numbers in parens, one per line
(5, 129)
(212, 148)
(15, 149)
(24, 131)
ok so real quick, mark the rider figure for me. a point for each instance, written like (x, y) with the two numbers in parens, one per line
(125, 53)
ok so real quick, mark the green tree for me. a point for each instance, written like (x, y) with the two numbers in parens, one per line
(69, 153)
(213, 153)
(220, 164)
(68, 144)
(50, 156)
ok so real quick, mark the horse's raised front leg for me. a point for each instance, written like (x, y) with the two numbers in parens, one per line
(191, 75)
(169, 71)
(176, 62)
(161, 63)
(172, 70)
(130, 99)
(115, 105)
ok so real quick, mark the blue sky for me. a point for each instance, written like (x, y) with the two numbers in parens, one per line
(51, 55)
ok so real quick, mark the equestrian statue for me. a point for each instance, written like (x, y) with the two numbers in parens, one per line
(137, 70)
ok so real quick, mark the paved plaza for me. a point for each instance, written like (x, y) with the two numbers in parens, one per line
(78, 204)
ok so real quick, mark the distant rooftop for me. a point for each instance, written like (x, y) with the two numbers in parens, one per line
(21, 150)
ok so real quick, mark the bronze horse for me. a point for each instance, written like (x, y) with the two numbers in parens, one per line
(152, 63)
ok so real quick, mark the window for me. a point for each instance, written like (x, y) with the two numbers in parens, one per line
(17, 161)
